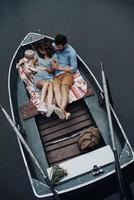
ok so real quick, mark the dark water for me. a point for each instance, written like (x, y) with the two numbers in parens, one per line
(99, 30)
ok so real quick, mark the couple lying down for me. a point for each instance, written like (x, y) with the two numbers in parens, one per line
(53, 74)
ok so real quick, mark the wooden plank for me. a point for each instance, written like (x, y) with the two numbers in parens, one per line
(68, 130)
(28, 110)
(57, 135)
(64, 125)
(58, 145)
(73, 108)
(60, 155)
(56, 121)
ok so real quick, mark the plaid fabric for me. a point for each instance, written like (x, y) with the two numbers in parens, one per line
(76, 92)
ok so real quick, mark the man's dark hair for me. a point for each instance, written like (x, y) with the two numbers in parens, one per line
(60, 39)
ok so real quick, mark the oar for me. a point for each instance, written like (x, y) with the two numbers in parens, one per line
(56, 196)
(119, 175)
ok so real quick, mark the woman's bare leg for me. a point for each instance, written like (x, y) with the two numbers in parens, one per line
(44, 91)
(43, 85)
(50, 94)
(50, 100)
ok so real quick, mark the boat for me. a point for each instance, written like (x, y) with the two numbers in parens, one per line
(54, 142)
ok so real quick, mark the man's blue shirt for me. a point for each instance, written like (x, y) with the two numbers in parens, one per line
(66, 57)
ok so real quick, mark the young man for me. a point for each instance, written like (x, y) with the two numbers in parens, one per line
(65, 65)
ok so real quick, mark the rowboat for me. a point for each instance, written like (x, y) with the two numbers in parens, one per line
(54, 142)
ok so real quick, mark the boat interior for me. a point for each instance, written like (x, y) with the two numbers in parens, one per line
(54, 141)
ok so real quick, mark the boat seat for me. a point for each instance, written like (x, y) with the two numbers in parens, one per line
(29, 109)
(85, 163)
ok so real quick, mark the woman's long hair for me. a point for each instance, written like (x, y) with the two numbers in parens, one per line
(44, 45)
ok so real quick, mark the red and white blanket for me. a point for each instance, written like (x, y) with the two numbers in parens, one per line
(76, 92)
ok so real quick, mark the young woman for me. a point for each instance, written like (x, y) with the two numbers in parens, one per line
(43, 80)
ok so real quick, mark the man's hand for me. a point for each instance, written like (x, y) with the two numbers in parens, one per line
(55, 65)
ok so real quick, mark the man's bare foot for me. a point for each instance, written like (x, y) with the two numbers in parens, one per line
(67, 115)
(59, 112)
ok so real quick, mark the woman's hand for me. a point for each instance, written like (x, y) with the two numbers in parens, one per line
(32, 69)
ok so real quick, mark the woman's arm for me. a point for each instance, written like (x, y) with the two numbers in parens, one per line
(32, 69)
(44, 69)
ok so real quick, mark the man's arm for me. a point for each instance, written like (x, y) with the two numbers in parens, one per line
(58, 67)
(73, 60)
(73, 63)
